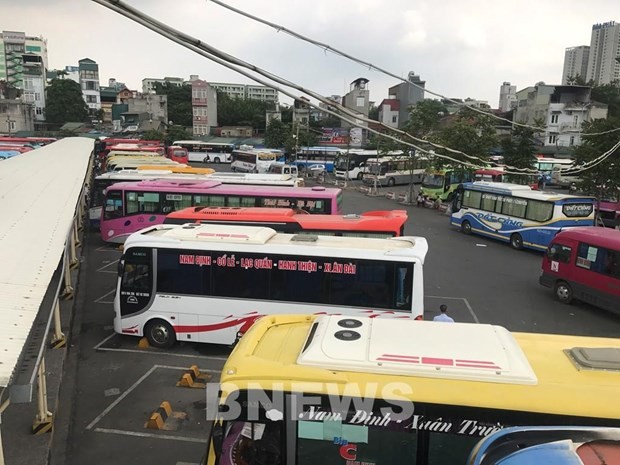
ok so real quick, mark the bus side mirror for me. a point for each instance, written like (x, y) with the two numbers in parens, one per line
(551, 252)
(119, 268)
(217, 438)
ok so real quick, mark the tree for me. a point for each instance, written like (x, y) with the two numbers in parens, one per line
(471, 133)
(241, 111)
(179, 100)
(176, 132)
(602, 178)
(278, 135)
(610, 95)
(424, 118)
(152, 134)
(8, 91)
(64, 103)
(519, 152)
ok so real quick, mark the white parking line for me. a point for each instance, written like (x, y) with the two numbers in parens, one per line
(99, 301)
(99, 345)
(465, 301)
(103, 268)
(127, 392)
(149, 435)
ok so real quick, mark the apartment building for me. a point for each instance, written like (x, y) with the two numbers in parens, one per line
(575, 63)
(603, 67)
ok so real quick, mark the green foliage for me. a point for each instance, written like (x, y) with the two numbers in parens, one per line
(241, 112)
(179, 102)
(424, 117)
(287, 114)
(64, 103)
(609, 94)
(152, 134)
(176, 132)
(278, 134)
(604, 178)
(471, 132)
(373, 112)
(519, 152)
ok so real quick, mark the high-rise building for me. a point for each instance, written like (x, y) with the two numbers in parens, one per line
(575, 63)
(507, 97)
(603, 67)
(148, 84)
(248, 91)
(23, 63)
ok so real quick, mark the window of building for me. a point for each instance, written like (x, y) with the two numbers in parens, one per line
(552, 139)
(572, 140)
(37, 97)
(554, 119)
(39, 110)
(91, 99)
(394, 119)
(360, 101)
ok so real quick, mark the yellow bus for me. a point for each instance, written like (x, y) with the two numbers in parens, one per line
(343, 390)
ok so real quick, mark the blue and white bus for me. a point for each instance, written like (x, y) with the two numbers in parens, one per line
(309, 156)
(516, 214)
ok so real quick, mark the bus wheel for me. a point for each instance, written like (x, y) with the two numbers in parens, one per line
(205, 160)
(391, 182)
(159, 334)
(563, 292)
(450, 197)
(466, 227)
(216, 160)
(516, 241)
(360, 176)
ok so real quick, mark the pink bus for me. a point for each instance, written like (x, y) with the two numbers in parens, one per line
(131, 206)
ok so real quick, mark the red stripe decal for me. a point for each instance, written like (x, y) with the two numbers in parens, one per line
(217, 326)
(437, 361)
(388, 359)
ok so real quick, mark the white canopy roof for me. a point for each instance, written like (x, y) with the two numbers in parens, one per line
(39, 192)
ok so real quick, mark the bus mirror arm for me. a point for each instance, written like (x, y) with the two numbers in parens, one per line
(217, 438)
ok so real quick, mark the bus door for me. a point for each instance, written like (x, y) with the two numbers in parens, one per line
(597, 275)
(559, 260)
(136, 286)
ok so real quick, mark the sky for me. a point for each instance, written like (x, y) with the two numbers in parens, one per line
(461, 48)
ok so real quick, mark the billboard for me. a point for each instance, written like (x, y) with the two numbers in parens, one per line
(334, 136)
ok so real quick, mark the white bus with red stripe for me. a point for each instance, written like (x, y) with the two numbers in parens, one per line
(207, 283)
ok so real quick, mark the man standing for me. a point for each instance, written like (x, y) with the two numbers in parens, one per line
(443, 315)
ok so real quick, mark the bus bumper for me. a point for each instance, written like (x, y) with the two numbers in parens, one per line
(545, 279)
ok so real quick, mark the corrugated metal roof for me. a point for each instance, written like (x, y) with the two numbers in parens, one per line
(39, 192)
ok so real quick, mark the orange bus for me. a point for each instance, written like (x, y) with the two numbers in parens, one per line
(379, 224)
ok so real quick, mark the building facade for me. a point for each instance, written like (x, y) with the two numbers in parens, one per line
(16, 115)
(358, 101)
(575, 63)
(247, 91)
(89, 82)
(563, 109)
(23, 65)
(148, 84)
(603, 67)
(507, 97)
(389, 111)
(408, 94)
(204, 108)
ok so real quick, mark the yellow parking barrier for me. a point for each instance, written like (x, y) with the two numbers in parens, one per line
(193, 378)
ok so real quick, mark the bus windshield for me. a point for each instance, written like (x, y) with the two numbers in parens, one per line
(433, 180)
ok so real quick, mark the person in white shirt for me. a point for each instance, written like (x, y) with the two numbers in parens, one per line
(443, 315)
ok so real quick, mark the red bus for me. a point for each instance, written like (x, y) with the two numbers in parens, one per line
(489, 174)
(380, 224)
(584, 264)
(178, 154)
(35, 141)
(17, 148)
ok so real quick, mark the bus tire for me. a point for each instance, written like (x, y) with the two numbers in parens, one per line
(466, 227)
(450, 197)
(516, 241)
(205, 160)
(391, 182)
(160, 334)
(216, 160)
(360, 176)
(563, 292)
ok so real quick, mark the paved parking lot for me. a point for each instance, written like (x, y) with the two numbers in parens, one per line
(112, 386)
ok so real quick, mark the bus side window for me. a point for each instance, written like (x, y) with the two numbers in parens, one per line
(559, 253)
